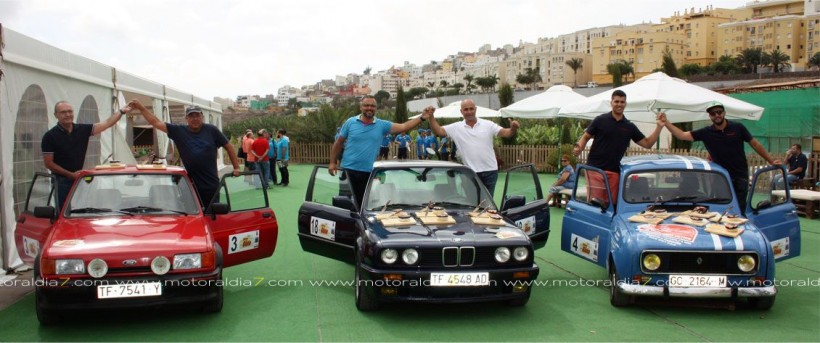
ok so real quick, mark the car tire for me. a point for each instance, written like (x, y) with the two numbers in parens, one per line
(44, 316)
(215, 306)
(616, 298)
(763, 304)
(365, 300)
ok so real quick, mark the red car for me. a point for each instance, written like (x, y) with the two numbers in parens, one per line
(137, 236)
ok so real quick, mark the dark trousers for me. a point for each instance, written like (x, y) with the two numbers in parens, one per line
(742, 191)
(402, 153)
(273, 170)
(489, 178)
(285, 174)
(63, 186)
(358, 183)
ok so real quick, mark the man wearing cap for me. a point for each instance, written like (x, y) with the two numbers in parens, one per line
(64, 145)
(403, 140)
(724, 142)
(198, 144)
(420, 153)
(361, 137)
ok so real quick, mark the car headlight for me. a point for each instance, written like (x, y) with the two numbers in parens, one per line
(188, 261)
(746, 263)
(72, 266)
(651, 262)
(521, 254)
(389, 256)
(160, 265)
(97, 268)
(502, 254)
(410, 256)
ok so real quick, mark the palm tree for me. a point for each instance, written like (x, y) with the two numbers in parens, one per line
(814, 61)
(575, 63)
(530, 77)
(431, 84)
(750, 58)
(443, 83)
(779, 61)
(469, 78)
(367, 70)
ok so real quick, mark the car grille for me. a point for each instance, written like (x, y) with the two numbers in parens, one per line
(700, 262)
(451, 257)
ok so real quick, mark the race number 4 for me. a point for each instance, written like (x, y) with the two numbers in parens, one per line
(584, 247)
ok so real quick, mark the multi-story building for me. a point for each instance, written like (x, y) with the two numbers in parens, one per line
(701, 30)
(769, 25)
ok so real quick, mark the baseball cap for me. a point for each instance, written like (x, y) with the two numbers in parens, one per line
(193, 109)
(714, 104)
(261, 132)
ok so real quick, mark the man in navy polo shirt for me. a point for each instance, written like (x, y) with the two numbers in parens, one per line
(198, 144)
(64, 145)
(612, 133)
(361, 137)
(724, 142)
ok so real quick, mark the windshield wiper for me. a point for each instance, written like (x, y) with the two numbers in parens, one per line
(97, 210)
(688, 198)
(715, 199)
(145, 209)
(449, 203)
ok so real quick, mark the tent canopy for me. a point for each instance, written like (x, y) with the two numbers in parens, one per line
(453, 110)
(544, 105)
(654, 93)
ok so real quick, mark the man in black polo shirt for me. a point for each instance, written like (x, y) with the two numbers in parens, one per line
(612, 133)
(64, 145)
(724, 142)
(198, 143)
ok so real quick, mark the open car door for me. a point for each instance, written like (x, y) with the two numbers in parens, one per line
(773, 213)
(328, 217)
(31, 232)
(249, 230)
(523, 202)
(587, 227)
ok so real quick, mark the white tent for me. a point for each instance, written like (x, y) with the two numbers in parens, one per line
(544, 105)
(681, 101)
(453, 110)
(35, 76)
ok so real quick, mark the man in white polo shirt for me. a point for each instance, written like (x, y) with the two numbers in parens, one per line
(474, 138)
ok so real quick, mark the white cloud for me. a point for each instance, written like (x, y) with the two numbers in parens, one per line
(228, 48)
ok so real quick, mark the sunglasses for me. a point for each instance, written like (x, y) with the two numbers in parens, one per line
(716, 112)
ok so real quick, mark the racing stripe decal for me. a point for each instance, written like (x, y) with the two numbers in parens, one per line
(685, 161)
(706, 165)
(738, 243)
(716, 241)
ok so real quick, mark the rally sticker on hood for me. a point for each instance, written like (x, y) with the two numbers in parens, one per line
(672, 234)
(527, 225)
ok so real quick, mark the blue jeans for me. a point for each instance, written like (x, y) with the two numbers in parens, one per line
(63, 186)
(264, 167)
(777, 182)
(489, 178)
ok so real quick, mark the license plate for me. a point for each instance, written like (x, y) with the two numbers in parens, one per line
(459, 279)
(148, 289)
(697, 281)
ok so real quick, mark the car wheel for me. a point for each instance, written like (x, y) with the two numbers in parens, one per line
(616, 298)
(215, 306)
(365, 300)
(764, 303)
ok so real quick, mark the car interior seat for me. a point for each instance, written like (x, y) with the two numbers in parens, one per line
(638, 190)
(107, 198)
(164, 197)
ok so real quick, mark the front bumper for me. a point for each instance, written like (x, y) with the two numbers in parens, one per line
(81, 294)
(414, 285)
(707, 292)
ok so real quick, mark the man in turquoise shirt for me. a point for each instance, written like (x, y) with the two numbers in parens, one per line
(361, 138)
(283, 156)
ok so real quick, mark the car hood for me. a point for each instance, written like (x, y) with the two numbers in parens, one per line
(463, 232)
(671, 235)
(137, 234)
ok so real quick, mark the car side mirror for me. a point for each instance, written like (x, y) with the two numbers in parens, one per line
(513, 201)
(598, 203)
(219, 208)
(45, 212)
(344, 202)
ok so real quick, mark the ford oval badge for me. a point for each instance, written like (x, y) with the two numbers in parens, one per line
(129, 262)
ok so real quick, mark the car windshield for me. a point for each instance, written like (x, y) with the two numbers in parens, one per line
(129, 194)
(447, 187)
(690, 186)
